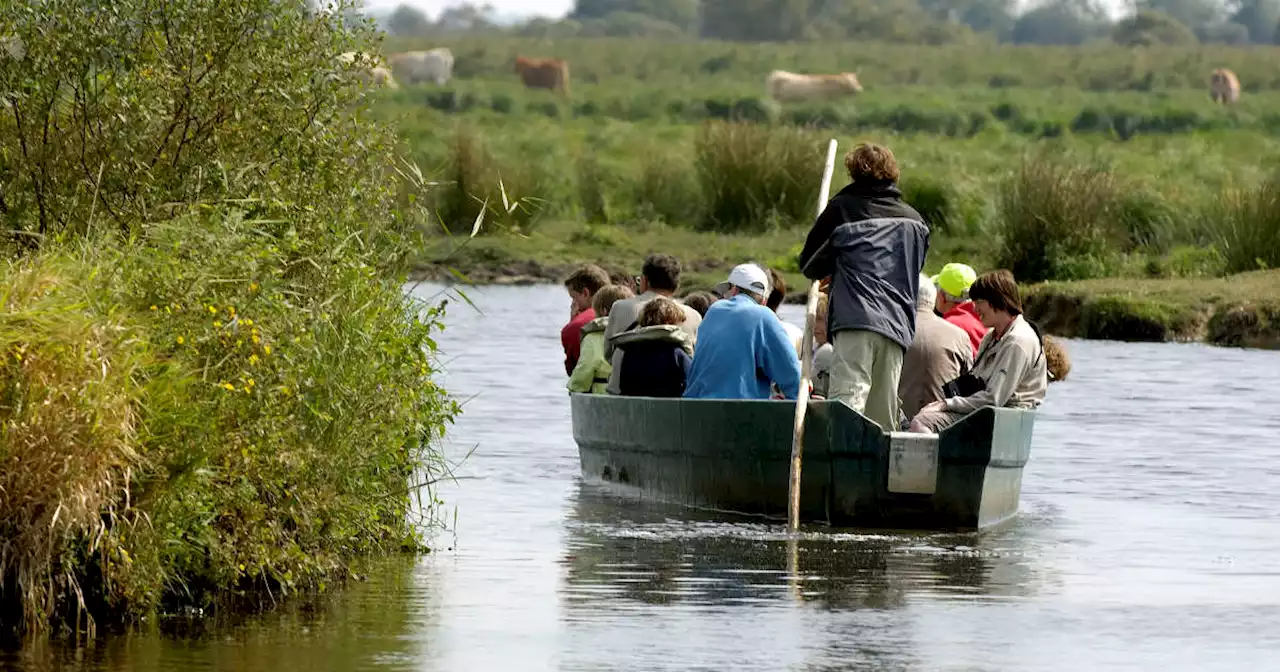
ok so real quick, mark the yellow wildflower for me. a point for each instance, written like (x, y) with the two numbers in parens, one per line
(154, 307)
(231, 310)
(256, 339)
(253, 359)
(213, 311)
(253, 286)
(266, 349)
(247, 322)
(229, 387)
(181, 340)
(217, 324)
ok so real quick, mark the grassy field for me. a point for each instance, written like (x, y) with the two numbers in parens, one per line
(1063, 164)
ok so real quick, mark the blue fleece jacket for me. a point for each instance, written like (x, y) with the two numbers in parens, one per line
(741, 348)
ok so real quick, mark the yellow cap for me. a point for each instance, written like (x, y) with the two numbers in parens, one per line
(955, 279)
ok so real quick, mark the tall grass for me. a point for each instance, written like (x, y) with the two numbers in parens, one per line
(1059, 220)
(481, 184)
(1245, 225)
(755, 178)
(69, 392)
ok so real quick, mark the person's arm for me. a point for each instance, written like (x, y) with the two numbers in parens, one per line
(1000, 385)
(777, 358)
(817, 259)
(584, 373)
(570, 341)
(686, 365)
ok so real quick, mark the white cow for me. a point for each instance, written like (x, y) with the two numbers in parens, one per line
(415, 67)
(376, 70)
(786, 86)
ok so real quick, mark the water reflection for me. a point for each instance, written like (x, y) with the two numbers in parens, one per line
(617, 548)
(355, 628)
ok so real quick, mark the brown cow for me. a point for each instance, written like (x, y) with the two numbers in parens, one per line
(544, 73)
(1224, 87)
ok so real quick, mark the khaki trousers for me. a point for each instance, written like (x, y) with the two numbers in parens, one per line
(864, 375)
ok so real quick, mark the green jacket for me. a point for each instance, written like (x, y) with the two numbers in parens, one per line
(591, 374)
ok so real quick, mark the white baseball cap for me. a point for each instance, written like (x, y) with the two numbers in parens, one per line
(749, 277)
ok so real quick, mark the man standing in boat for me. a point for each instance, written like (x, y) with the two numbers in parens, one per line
(742, 347)
(871, 246)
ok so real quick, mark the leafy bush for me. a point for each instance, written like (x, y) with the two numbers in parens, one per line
(204, 327)
(1058, 220)
(754, 178)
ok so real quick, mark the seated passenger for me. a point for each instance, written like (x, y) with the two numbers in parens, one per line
(938, 354)
(660, 276)
(591, 373)
(582, 286)
(953, 303)
(657, 352)
(742, 348)
(700, 301)
(822, 352)
(1010, 370)
(777, 293)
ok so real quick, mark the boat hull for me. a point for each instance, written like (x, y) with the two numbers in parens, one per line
(735, 455)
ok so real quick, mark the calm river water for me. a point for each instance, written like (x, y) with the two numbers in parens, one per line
(1148, 539)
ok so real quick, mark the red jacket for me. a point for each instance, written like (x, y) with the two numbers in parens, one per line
(963, 316)
(571, 338)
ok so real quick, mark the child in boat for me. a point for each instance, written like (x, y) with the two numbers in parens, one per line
(658, 352)
(591, 373)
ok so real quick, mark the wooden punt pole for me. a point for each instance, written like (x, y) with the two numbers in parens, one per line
(806, 361)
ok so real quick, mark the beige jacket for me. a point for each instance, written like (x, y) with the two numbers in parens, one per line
(1012, 366)
(939, 352)
(627, 312)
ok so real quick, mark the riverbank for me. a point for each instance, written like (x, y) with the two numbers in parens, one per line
(1239, 310)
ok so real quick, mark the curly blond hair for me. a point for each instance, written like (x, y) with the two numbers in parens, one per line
(661, 310)
(870, 161)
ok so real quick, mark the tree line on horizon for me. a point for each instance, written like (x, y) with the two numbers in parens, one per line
(1049, 22)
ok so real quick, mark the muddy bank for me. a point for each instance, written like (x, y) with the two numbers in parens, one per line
(1149, 312)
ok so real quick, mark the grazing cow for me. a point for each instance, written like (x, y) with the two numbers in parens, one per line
(791, 87)
(544, 73)
(373, 69)
(415, 67)
(1224, 87)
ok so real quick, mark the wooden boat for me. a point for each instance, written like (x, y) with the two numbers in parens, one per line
(733, 455)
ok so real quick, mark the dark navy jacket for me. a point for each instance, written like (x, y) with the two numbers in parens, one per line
(874, 245)
(656, 363)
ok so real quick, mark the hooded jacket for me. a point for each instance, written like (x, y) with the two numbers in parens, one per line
(591, 373)
(657, 361)
(626, 316)
(874, 245)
